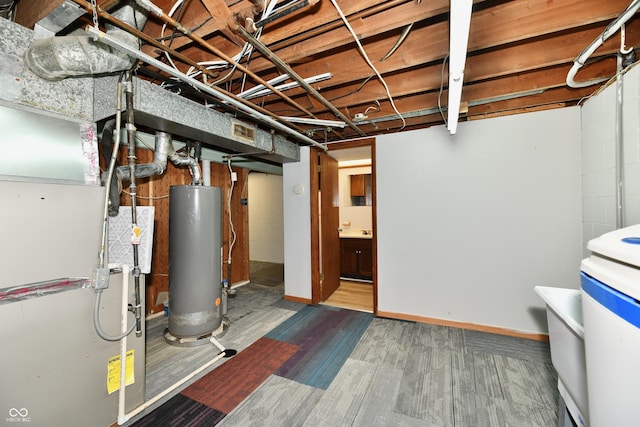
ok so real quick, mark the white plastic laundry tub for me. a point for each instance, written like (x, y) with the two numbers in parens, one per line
(566, 339)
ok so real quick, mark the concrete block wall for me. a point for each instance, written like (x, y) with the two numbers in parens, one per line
(598, 116)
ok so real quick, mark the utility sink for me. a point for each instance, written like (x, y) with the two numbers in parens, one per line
(566, 339)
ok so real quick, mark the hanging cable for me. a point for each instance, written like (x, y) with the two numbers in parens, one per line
(366, 58)
(102, 274)
(444, 64)
(232, 231)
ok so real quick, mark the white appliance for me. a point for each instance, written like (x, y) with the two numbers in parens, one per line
(611, 313)
(566, 339)
(54, 369)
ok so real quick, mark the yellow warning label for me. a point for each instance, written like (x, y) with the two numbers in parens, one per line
(113, 371)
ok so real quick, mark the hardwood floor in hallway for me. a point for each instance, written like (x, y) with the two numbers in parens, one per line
(352, 295)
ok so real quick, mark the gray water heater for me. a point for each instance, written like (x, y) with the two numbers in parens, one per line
(195, 242)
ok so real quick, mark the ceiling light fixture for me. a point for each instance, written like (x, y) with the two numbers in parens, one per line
(460, 20)
(260, 87)
(316, 122)
(265, 91)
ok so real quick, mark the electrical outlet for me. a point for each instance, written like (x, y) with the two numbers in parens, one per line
(234, 176)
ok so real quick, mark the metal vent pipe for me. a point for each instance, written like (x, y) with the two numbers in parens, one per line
(57, 58)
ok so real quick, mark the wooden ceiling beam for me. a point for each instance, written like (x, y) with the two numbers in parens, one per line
(523, 19)
(305, 20)
(379, 23)
(557, 52)
(483, 36)
(220, 13)
(553, 98)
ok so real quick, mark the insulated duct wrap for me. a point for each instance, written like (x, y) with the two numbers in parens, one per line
(57, 58)
(195, 242)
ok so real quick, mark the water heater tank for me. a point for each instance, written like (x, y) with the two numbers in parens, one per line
(195, 242)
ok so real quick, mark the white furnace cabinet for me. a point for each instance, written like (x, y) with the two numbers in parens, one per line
(54, 368)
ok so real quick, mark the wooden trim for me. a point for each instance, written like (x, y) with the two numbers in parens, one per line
(353, 143)
(364, 165)
(374, 225)
(314, 186)
(296, 299)
(463, 325)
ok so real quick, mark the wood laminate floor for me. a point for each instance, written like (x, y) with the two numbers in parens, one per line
(352, 295)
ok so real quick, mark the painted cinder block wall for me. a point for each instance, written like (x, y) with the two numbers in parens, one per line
(599, 162)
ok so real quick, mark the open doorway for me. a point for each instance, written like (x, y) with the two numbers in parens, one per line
(262, 194)
(354, 230)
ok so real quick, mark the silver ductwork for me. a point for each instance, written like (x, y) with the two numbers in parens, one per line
(159, 164)
(75, 55)
(192, 163)
(163, 150)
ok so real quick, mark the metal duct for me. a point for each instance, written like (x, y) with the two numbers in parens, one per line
(163, 150)
(57, 58)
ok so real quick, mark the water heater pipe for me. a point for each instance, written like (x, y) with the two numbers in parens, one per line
(131, 157)
(206, 173)
(619, 146)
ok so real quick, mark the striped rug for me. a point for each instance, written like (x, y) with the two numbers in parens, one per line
(310, 347)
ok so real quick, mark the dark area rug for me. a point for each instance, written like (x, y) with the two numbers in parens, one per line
(310, 347)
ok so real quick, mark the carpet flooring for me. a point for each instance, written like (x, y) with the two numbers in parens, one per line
(309, 348)
(302, 365)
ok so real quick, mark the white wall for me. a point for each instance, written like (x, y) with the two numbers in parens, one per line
(266, 222)
(297, 231)
(469, 224)
(598, 161)
(360, 217)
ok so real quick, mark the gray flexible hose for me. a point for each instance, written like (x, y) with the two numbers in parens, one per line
(98, 328)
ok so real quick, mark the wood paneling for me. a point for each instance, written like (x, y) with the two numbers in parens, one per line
(154, 191)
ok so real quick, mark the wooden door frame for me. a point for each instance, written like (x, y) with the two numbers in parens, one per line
(314, 186)
(315, 220)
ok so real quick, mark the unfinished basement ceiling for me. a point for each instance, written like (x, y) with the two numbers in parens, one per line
(519, 54)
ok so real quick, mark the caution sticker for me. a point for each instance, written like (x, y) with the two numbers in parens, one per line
(113, 371)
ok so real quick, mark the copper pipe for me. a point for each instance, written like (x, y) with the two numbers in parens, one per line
(87, 6)
(132, 30)
(279, 63)
(335, 24)
(202, 42)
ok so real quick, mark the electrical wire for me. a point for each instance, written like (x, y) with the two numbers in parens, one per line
(444, 64)
(366, 58)
(215, 65)
(353, 91)
(232, 240)
(173, 9)
(191, 30)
